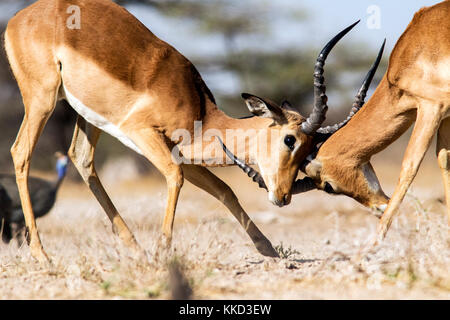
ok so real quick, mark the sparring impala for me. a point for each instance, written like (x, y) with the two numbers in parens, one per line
(414, 88)
(123, 80)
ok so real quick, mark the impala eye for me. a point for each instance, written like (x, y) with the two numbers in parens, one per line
(328, 188)
(290, 141)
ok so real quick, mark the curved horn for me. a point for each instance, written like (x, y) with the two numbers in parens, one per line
(255, 175)
(317, 116)
(303, 185)
(360, 97)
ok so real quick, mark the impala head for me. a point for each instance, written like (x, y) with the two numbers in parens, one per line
(281, 147)
(358, 183)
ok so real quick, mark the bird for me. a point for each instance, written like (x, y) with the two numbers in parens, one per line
(43, 196)
(5, 207)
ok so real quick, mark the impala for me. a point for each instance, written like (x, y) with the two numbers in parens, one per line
(414, 88)
(123, 80)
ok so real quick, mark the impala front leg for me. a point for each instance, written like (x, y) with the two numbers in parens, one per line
(427, 123)
(443, 155)
(174, 180)
(206, 180)
(153, 146)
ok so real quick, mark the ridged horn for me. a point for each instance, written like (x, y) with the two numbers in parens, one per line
(303, 185)
(255, 175)
(317, 116)
(360, 97)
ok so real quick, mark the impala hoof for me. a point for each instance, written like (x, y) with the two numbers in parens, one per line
(40, 256)
(165, 241)
(266, 249)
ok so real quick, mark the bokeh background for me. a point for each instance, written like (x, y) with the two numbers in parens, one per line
(267, 48)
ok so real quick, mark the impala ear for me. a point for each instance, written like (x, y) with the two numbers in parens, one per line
(286, 105)
(261, 108)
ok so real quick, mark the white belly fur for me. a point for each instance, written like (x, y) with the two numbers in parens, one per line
(99, 121)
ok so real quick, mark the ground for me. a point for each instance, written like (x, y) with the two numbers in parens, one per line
(318, 236)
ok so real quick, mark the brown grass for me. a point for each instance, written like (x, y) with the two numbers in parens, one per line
(318, 234)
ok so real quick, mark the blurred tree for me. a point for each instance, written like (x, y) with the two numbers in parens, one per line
(288, 75)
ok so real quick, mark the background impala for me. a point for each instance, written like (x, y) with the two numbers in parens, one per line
(414, 88)
(270, 55)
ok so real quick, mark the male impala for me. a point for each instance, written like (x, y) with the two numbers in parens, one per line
(414, 88)
(123, 80)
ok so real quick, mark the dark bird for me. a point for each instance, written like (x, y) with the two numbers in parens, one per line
(42, 193)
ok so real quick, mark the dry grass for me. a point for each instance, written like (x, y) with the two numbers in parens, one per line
(317, 235)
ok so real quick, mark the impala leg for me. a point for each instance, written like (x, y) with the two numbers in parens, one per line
(206, 180)
(82, 152)
(38, 109)
(154, 148)
(443, 155)
(427, 123)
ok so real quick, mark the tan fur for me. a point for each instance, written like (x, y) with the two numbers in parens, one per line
(414, 88)
(143, 87)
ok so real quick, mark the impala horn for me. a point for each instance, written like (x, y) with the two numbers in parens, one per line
(317, 116)
(256, 177)
(359, 98)
(303, 185)
(307, 184)
(312, 125)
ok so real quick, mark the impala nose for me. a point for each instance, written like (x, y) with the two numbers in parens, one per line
(285, 200)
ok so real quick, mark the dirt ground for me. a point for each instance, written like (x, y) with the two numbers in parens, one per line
(318, 235)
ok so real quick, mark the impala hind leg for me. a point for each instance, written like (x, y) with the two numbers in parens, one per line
(39, 105)
(206, 180)
(154, 147)
(82, 152)
(427, 123)
(443, 155)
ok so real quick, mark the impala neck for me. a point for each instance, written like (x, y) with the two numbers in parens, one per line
(217, 123)
(383, 119)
